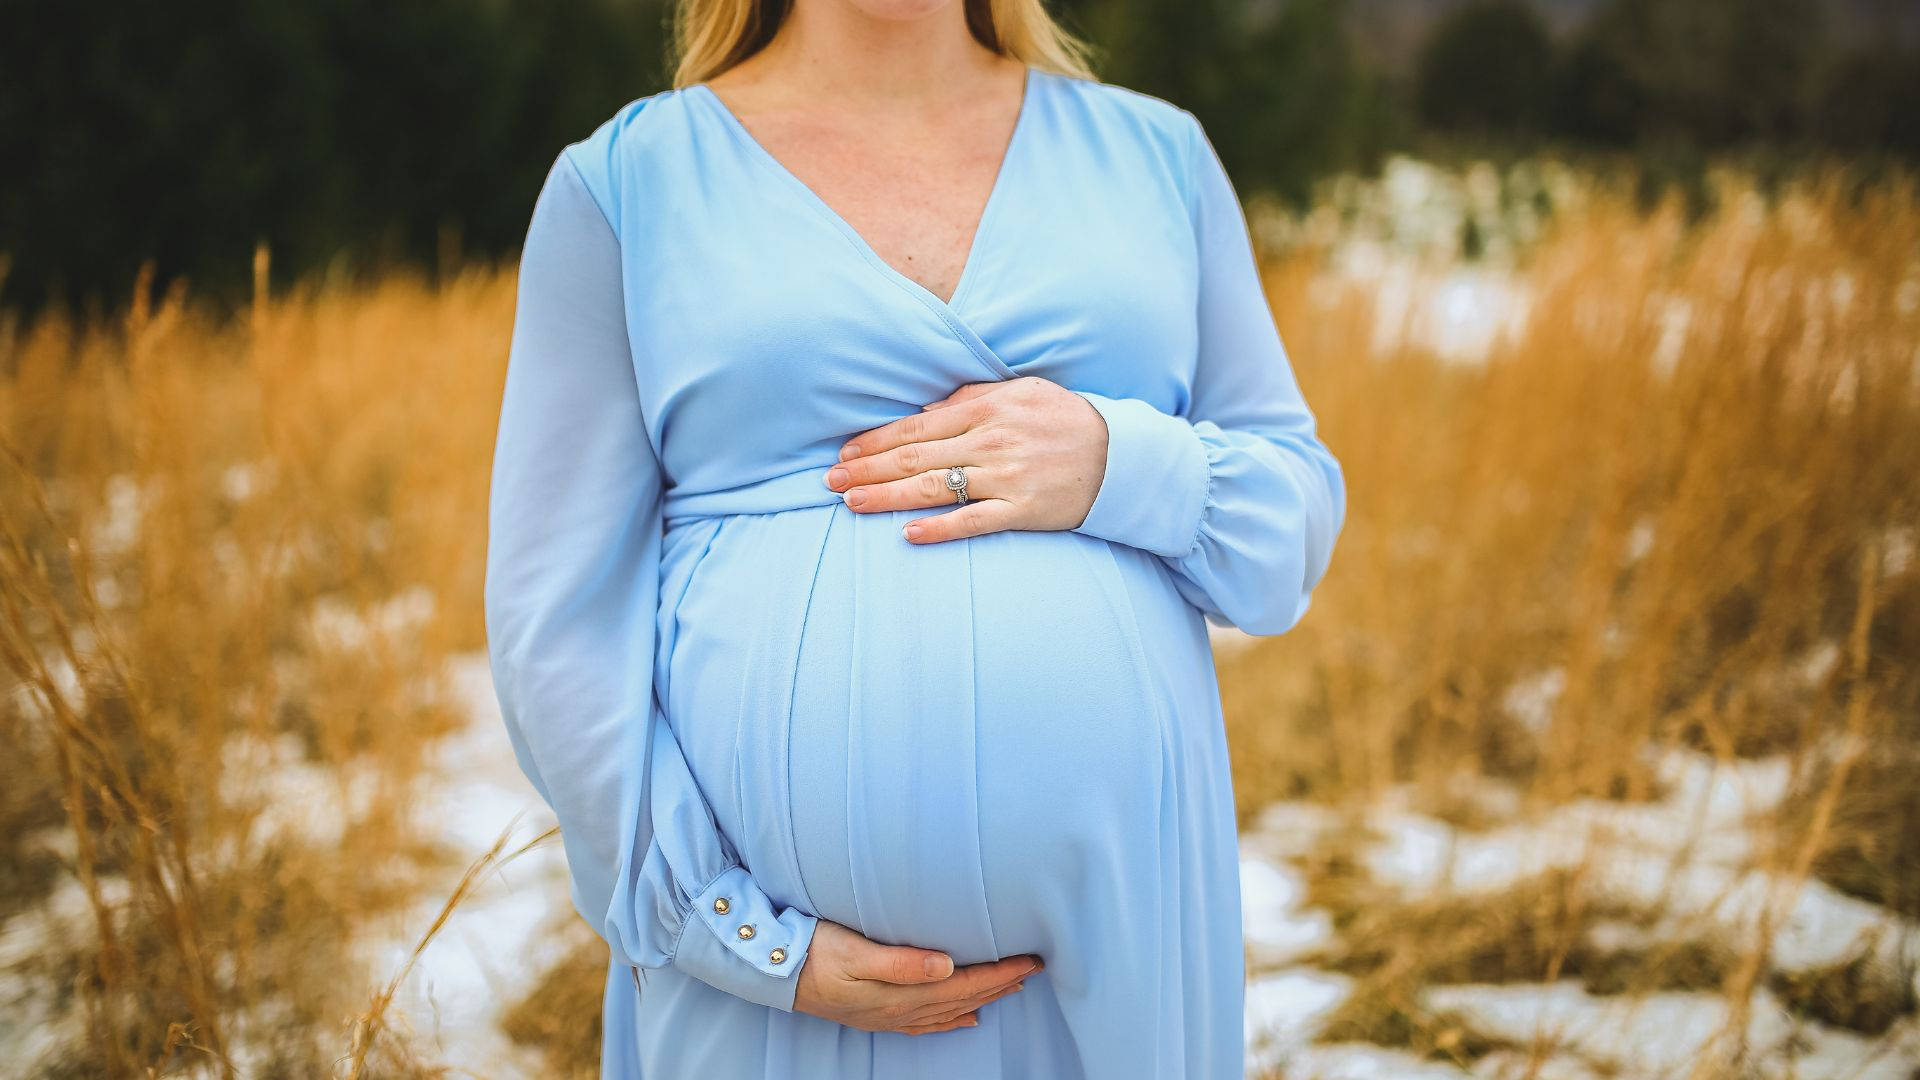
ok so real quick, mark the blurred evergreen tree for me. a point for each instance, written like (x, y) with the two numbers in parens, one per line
(1488, 68)
(1278, 85)
(1710, 72)
(348, 134)
(341, 132)
(1869, 101)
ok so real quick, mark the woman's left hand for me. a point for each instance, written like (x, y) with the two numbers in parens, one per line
(1035, 454)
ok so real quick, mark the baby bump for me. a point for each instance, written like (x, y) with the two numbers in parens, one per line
(946, 745)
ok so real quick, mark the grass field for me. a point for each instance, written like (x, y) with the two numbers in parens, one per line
(1598, 755)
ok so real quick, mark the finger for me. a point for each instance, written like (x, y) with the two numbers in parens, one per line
(918, 427)
(966, 1021)
(902, 462)
(972, 981)
(939, 1014)
(974, 519)
(963, 393)
(901, 964)
(916, 492)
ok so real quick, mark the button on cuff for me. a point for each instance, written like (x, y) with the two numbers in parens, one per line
(740, 945)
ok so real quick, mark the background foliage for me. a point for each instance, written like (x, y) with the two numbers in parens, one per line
(350, 136)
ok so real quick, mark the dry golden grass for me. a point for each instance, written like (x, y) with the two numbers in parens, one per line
(1711, 536)
(205, 524)
(202, 526)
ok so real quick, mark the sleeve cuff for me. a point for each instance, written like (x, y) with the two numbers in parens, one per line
(759, 967)
(1155, 488)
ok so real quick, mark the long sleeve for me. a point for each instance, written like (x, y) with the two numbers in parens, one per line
(1239, 496)
(572, 586)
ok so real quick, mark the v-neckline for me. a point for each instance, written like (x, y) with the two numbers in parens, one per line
(981, 226)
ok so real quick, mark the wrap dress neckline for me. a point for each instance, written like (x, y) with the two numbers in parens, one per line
(978, 247)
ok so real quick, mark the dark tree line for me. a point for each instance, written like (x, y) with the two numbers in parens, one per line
(1710, 74)
(344, 133)
(349, 135)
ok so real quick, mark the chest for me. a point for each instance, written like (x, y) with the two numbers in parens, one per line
(765, 333)
(915, 195)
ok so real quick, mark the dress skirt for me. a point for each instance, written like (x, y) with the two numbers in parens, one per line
(1001, 745)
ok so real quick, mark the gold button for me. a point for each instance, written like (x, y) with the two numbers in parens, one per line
(722, 905)
(746, 932)
(778, 956)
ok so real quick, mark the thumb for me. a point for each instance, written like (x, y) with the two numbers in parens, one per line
(900, 964)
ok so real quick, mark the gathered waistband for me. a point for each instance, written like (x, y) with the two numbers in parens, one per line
(789, 491)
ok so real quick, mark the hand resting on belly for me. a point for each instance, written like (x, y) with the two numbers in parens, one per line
(1035, 454)
(861, 983)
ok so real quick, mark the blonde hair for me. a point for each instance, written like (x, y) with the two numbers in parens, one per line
(710, 36)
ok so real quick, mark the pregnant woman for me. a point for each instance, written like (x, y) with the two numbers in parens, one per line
(890, 408)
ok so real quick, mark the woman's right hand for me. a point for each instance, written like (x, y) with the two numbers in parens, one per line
(853, 980)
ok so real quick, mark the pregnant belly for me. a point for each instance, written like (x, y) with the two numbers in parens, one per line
(949, 745)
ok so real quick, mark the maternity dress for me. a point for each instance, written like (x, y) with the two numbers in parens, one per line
(751, 707)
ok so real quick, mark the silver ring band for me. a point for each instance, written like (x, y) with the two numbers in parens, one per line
(957, 483)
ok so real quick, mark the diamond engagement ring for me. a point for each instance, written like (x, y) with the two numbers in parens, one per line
(957, 483)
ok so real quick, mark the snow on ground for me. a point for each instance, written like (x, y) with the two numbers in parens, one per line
(1285, 1011)
(497, 942)
(1666, 1034)
(1363, 1061)
(1276, 927)
(36, 1020)
(1685, 852)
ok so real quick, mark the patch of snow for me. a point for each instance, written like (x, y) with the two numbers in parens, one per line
(1660, 1033)
(1364, 1061)
(119, 528)
(290, 795)
(1830, 1054)
(1285, 1011)
(1811, 924)
(1669, 1034)
(1898, 545)
(1276, 928)
(496, 943)
(242, 480)
(42, 1019)
(1518, 1065)
(1530, 701)
(337, 624)
(66, 683)
(1639, 541)
(1727, 792)
(1291, 830)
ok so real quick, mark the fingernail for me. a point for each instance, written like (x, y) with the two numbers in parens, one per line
(911, 532)
(973, 1022)
(836, 476)
(856, 496)
(939, 967)
(846, 451)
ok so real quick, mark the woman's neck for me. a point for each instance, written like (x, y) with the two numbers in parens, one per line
(833, 50)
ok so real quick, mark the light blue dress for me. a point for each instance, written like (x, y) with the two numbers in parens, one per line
(729, 686)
